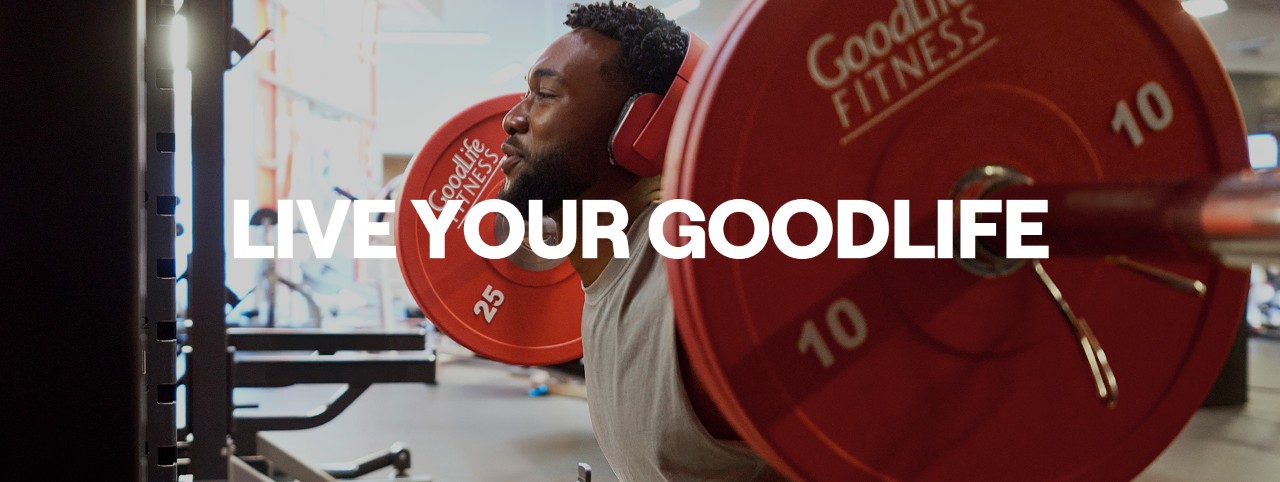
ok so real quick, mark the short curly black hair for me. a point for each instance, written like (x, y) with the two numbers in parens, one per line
(651, 46)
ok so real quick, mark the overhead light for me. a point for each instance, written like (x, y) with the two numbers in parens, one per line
(1264, 151)
(434, 38)
(1204, 8)
(680, 8)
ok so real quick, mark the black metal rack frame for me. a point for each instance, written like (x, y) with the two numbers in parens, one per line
(159, 321)
(213, 365)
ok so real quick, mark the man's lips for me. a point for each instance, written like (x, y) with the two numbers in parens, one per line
(510, 149)
(513, 157)
(508, 163)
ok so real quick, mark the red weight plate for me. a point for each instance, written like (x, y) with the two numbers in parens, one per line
(494, 307)
(915, 369)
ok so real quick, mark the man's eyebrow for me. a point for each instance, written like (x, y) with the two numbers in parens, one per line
(544, 72)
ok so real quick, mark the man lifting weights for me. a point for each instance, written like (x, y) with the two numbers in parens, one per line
(652, 417)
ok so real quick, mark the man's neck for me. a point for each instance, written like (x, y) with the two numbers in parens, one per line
(635, 198)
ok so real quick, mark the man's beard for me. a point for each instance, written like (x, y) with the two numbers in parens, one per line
(548, 176)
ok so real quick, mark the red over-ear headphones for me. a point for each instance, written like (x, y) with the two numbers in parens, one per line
(639, 139)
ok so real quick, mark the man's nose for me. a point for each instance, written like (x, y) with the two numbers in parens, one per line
(516, 122)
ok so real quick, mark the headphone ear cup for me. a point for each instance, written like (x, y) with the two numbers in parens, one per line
(639, 139)
(632, 121)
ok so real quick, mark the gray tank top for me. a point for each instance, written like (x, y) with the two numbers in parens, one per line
(641, 415)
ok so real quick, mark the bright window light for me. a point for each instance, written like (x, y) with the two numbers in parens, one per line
(1263, 151)
(178, 42)
(680, 8)
(1204, 8)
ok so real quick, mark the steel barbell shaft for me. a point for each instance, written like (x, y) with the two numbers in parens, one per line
(1233, 218)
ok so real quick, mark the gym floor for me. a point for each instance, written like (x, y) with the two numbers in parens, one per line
(481, 424)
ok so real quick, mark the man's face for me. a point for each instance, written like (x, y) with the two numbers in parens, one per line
(558, 135)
